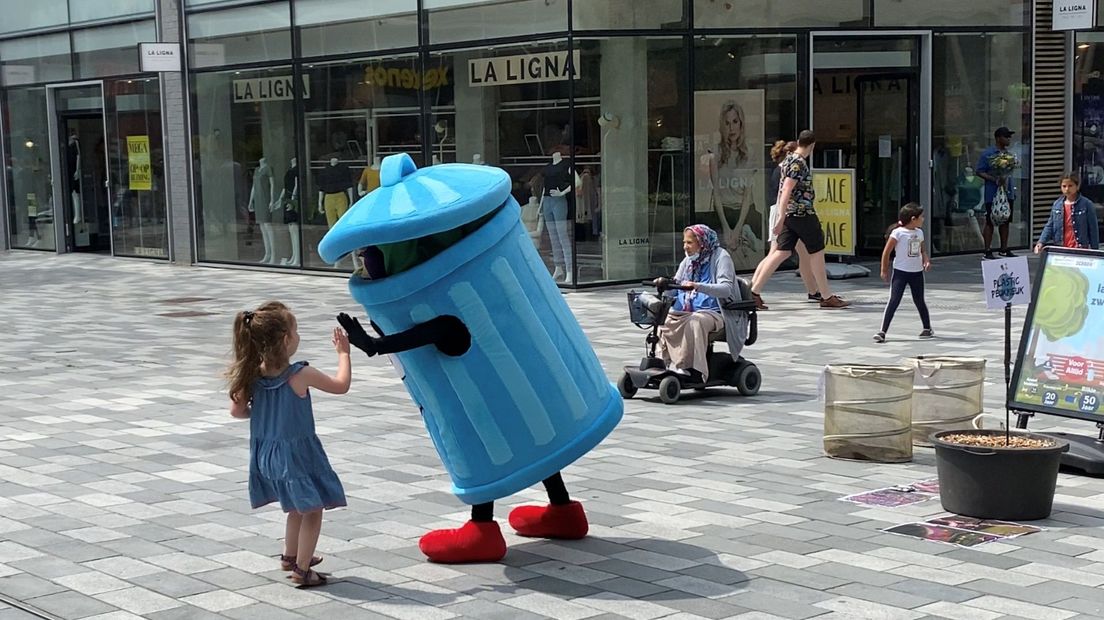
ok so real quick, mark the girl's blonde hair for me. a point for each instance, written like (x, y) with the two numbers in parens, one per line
(740, 149)
(259, 338)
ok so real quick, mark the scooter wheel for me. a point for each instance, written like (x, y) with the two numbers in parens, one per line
(669, 390)
(625, 387)
(749, 380)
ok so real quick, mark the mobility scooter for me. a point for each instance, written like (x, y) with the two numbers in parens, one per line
(726, 368)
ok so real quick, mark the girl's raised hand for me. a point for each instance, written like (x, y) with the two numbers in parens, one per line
(340, 341)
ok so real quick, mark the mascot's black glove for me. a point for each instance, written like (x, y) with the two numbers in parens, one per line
(357, 336)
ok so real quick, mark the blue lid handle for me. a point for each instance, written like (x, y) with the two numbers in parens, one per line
(394, 168)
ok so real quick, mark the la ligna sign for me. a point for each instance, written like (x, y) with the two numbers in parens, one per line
(523, 69)
(1074, 14)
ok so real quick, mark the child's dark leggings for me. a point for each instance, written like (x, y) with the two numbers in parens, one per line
(897, 283)
(557, 494)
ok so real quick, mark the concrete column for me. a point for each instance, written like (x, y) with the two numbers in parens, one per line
(176, 138)
(624, 179)
(476, 123)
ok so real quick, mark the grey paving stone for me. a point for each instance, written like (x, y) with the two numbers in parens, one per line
(70, 605)
(24, 586)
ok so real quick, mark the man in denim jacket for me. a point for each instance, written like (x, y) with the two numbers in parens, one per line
(1072, 222)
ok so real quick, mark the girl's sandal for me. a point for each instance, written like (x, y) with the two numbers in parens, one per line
(287, 562)
(306, 578)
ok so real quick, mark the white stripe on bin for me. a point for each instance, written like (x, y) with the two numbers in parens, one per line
(487, 336)
(475, 407)
(539, 336)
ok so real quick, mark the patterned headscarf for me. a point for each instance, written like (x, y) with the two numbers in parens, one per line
(707, 238)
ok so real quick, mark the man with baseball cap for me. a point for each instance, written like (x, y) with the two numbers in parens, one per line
(994, 180)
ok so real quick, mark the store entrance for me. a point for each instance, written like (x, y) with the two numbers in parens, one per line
(80, 172)
(866, 115)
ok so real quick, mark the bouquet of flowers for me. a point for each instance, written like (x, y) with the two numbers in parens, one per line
(1003, 163)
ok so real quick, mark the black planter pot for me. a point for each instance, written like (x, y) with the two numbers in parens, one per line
(997, 483)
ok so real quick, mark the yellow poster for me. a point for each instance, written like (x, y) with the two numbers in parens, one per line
(138, 162)
(835, 206)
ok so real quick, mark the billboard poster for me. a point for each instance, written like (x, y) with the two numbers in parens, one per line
(835, 207)
(730, 176)
(1060, 367)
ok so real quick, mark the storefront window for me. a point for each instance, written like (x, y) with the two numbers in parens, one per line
(780, 13)
(83, 10)
(110, 50)
(983, 13)
(1088, 114)
(493, 112)
(359, 112)
(28, 15)
(979, 84)
(138, 213)
(244, 143)
(627, 14)
(247, 34)
(630, 202)
(35, 59)
(745, 97)
(472, 20)
(344, 26)
(27, 145)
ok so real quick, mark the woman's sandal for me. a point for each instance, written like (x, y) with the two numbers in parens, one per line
(759, 305)
(287, 562)
(306, 578)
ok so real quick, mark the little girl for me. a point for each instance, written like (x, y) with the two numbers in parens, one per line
(286, 459)
(909, 266)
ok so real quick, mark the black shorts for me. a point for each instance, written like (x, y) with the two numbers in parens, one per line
(804, 228)
(989, 212)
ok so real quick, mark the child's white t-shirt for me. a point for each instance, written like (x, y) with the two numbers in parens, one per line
(908, 256)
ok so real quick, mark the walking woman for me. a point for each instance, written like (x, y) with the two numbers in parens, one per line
(798, 222)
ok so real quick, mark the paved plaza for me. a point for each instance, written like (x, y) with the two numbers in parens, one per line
(123, 477)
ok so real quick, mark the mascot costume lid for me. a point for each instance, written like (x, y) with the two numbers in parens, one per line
(508, 385)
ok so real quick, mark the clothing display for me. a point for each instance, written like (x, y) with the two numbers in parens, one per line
(369, 180)
(262, 194)
(554, 212)
(291, 195)
(334, 179)
(335, 205)
(557, 176)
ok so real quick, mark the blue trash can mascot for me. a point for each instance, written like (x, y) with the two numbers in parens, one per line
(508, 385)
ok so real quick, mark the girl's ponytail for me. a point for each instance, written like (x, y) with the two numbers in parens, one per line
(259, 338)
(246, 367)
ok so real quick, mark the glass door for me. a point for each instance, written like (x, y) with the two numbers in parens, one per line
(80, 164)
(886, 176)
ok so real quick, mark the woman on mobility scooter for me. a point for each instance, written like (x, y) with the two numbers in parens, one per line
(704, 300)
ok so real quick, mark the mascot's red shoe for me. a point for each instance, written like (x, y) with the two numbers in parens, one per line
(473, 542)
(564, 521)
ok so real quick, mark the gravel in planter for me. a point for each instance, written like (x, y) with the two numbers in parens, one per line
(997, 441)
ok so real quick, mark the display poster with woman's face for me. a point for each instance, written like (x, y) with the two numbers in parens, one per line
(730, 175)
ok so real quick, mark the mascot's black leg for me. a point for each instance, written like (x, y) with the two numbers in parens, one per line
(557, 492)
(481, 513)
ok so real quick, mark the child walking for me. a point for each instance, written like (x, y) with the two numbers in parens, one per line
(286, 459)
(909, 265)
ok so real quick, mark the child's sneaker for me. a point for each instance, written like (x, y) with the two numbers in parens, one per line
(927, 333)
(879, 337)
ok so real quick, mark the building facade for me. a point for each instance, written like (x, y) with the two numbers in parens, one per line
(619, 121)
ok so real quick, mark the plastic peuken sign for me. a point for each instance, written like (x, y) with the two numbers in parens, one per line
(835, 206)
(1007, 281)
(1074, 14)
(1060, 367)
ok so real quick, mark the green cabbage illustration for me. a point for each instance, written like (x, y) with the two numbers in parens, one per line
(1062, 305)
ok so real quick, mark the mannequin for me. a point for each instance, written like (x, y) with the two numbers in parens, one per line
(370, 178)
(558, 178)
(73, 159)
(262, 206)
(289, 197)
(477, 159)
(335, 191)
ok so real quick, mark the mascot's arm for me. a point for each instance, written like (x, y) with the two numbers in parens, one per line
(447, 333)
